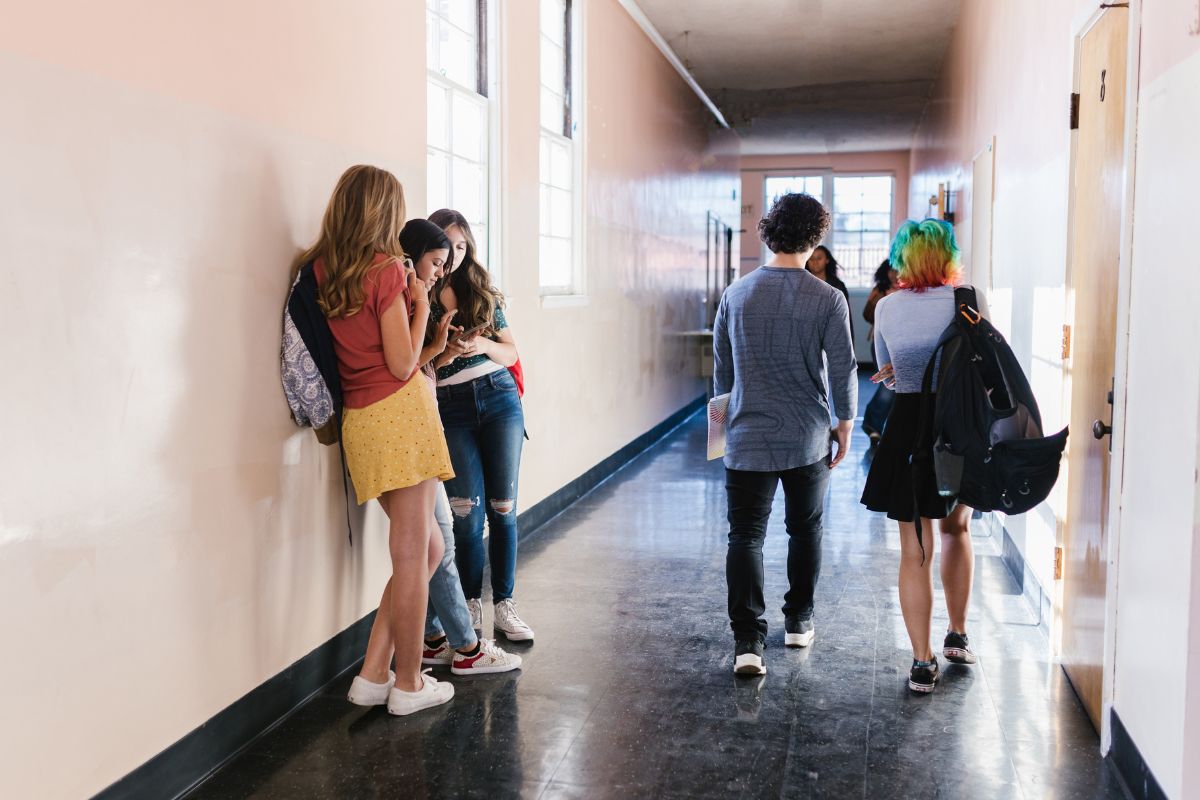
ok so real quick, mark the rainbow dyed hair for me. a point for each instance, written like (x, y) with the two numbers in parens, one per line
(925, 254)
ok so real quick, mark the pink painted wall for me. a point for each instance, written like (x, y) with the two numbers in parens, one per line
(1008, 74)
(169, 539)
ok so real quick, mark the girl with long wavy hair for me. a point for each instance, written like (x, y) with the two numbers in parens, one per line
(450, 640)
(378, 311)
(485, 428)
(908, 323)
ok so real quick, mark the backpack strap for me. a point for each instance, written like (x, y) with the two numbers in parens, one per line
(966, 303)
(924, 436)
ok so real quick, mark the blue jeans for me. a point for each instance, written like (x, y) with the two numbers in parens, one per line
(485, 428)
(447, 611)
(877, 411)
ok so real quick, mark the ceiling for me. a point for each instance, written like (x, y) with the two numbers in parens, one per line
(812, 76)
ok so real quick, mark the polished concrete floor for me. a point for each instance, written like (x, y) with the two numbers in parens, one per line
(628, 690)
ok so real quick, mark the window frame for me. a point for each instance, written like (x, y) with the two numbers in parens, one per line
(485, 94)
(571, 137)
(828, 199)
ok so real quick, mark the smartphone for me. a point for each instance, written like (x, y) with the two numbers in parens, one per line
(468, 334)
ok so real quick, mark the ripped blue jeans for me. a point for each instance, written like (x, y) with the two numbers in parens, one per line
(485, 429)
(448, 612)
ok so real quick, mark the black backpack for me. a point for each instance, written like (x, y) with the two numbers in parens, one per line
(986, 443)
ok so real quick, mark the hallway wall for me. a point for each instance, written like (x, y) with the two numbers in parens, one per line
(1157, 664)
(1022, 101)
(983, 92)
(168, 538)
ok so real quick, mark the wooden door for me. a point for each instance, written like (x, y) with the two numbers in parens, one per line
(1096, 221)
(983, 170)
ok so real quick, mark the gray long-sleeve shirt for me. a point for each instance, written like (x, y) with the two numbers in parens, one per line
(775, 331)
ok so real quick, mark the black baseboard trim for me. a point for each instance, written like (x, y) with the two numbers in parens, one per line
(542, 512)
(1040, 603)
(190, 761)
(187, 763)
(1127, 760)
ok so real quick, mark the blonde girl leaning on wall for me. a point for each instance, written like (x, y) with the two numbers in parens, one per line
(395, 451)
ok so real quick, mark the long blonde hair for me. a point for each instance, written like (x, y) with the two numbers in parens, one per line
(363, 219)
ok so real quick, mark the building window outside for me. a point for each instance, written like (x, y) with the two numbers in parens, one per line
(459, 133)
(862, 225)
(560, 256)
(862, 218)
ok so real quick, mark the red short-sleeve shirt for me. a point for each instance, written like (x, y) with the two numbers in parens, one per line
(358, 340)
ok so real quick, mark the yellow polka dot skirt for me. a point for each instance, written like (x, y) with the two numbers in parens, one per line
(396, 442)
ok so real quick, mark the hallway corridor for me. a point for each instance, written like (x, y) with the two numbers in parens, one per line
(629, 691)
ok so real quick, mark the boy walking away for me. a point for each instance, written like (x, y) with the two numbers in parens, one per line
(775, 332)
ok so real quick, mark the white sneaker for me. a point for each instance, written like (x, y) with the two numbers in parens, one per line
(476, 609)
(489, 659)
(439, 656)
(507, 622)
(365, 693)
(432, 693)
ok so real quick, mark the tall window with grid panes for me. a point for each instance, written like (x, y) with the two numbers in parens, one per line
(458, 112)
(862, 217)
(862, 225)
(559, 242)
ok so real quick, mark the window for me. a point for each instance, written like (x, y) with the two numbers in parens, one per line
(862, 225)
(560, 247)
(776, 185)
(459, 135)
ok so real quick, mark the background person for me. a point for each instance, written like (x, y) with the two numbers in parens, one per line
(876, 414)
(485, 429)
(395, 451)
(908, 324)
(450, 639)
(775, 331)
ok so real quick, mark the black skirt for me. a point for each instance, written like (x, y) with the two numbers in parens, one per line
(890, 487)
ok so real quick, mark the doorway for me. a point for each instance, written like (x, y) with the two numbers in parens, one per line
(1090, 344)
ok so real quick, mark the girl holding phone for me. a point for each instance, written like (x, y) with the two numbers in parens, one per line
(450, 640)
(395, 451)
(485, 428)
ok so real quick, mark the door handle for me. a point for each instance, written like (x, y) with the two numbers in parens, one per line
(1100, 430)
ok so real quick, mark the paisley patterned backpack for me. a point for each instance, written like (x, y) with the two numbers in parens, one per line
(308, 364)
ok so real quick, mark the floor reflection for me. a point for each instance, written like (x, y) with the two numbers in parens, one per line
(628, 691)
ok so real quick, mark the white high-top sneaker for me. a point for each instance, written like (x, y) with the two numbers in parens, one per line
(476, 609)
(507, 622)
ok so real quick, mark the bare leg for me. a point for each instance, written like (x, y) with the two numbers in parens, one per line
(958, 565)
(379, 647)
(916, 586)
(402, 609)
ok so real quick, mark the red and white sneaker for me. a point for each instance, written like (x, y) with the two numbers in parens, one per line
(487, 660)
(440, 656)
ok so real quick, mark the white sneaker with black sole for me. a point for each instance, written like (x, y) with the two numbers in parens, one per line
(799, 633)
(432, 693)
(748, 660)
(506, 621)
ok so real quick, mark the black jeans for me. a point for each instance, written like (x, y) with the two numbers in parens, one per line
(750, 495)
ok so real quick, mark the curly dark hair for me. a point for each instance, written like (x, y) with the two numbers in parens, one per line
(795, 223)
